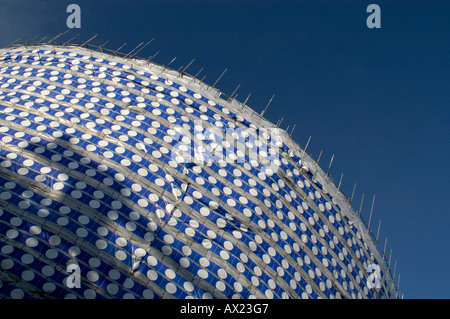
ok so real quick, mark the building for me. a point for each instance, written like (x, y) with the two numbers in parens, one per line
(121, 178)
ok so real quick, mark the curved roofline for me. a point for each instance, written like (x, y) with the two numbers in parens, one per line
(318, 175)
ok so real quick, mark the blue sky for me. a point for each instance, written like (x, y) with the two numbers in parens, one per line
(378, 99)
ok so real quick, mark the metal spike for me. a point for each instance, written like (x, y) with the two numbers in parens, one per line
(142, 47)
(40, 41)
(15, 41)
(371, 210)
(395, 269)
(353, 193)
(235, 90)
(58, 36)
(32, 39)
(307, 143)
(134, 49)
(331, 162)
(195, 76)
(320, 155)
(119, 48)
(340, 181)
(360, 207)
(384, 250)
(245, 102)
(378, 232)
(267, 106)
(390, 256)
(101, 46)
(219, 78)
(89, 40)
(280, 121)
(189, 64)
(165, 67)
(292, 131)
(71, 39)
(151, 57)
(104, 44)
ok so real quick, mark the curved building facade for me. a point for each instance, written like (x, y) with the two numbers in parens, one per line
(120, 178)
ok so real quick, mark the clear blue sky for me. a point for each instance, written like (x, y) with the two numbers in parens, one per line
(378, 99)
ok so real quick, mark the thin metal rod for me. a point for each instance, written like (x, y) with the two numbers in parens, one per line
(390, 256)
(71, 39)
(134, 49)
(320, 155)
(59, 35)
(143, 47)
(267, 106)
(340, 181)
(331, 162)
(235, 90)
(360, 206)
(353, 193)
(378, 232)
(32, 39)
(151, 58)
(188, 66)
(219, 78)
(40, 41)
(104, 44)
(101, 46)
(371, 211)
(280, 121)
(292, 131)
(16, 41)
(307, 143)
(384, 250)
(170, 63)
(89, 40)
(395, 269)
(119, 48)
(247, 99)
(195, 76)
